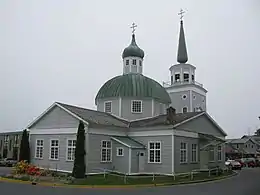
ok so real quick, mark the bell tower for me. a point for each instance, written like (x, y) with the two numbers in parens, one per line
(187, 95)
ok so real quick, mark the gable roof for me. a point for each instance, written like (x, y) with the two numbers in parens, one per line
(93, 117)
(86, 115)
(128, 142)
(242, 140)
(162, 120)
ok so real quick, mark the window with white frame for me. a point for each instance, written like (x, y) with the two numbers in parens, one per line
(184, 110)
(106, 151)
(39, 149)
(183, 153)
(219, 153)
(120, 151)
(127, 62)
(108, 107)
(211, 154)
(134, 61)
(194, 152)
(154, 152)
(54, 149)
(71, 147)
(137, 106)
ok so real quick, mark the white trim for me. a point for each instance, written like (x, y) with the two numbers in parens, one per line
(67, 148)
(152, 107)
(35, 149)
(191, 99)
(105, 102)
(186, 154)
(173, 171)
(187, 87)
(119, 141)
(106, 132)
(129, 161)
(132, 106)
(148, 160)
(50, 146)
(120, 107)
(117, 151)
(175, 132)
(101, 147)
(196, 150)
(53, 131)
(51, 107)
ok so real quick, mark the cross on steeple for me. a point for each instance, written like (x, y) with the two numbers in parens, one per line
(133, 27)
(181, 13)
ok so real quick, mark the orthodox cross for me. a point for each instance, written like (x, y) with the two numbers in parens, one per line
(133, 27)
(181, 13)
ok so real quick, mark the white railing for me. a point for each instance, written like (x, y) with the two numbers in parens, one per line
(169, 84)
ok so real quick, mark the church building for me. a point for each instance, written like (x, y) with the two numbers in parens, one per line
(140, 126)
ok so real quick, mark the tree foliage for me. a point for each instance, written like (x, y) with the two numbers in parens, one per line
(79, 168)
(24, 147)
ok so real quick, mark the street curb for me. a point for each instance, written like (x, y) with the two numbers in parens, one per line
(117, 186)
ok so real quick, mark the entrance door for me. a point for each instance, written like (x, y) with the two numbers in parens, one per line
(141, 161)
(204, 159)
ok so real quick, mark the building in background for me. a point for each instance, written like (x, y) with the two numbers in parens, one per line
(10, 144)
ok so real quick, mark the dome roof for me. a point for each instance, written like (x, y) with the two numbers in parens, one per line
(133, 50)
(133, 85)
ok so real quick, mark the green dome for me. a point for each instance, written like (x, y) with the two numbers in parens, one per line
(133, 85)
(133, 50)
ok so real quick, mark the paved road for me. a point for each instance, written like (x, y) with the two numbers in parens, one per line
(246, 183)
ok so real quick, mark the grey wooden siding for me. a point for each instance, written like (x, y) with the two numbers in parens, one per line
(56, 118)
(166, 154)
(189, 166)
(120, 163)
(62, 163)
(201, 125)
(94, 153)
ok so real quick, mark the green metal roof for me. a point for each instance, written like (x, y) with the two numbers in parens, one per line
(133, 85)
(133, 50)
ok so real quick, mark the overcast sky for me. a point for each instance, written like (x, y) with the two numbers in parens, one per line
(65, 50)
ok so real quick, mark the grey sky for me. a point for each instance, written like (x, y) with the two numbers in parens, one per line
(65, 50)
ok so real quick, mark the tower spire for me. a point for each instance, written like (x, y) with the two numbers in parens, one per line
(182, 56)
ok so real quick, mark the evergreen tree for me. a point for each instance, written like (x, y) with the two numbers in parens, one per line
(24, 147)
(79, 168)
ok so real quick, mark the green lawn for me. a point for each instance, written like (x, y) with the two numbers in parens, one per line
(144, 179)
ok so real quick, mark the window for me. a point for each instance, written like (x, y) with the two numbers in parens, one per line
(127, 62)
(71, 147)
(171, 79)
(184, 110)
(211, 154)
(194, 151)
(194, 97)
(140, 62)
(120, 151)
(136, 106)
(192, 78)
(183, 153)
(177, 77)
(154, 152)
(54, 150)
(106, 151)
(184, 97)
(16, 137)
(219, 153)
(39, 149)
(10, 144)
(108, 107)
(237, 146)
(134, 62)
(186, 77)
(252, 146)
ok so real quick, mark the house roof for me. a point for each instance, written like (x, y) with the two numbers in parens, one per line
(162, 119)
(128, 142)
(242, 140)
(93, 117)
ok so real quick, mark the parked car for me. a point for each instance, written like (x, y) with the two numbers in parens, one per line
(235, 165)
(243, 164)
(8, 162)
